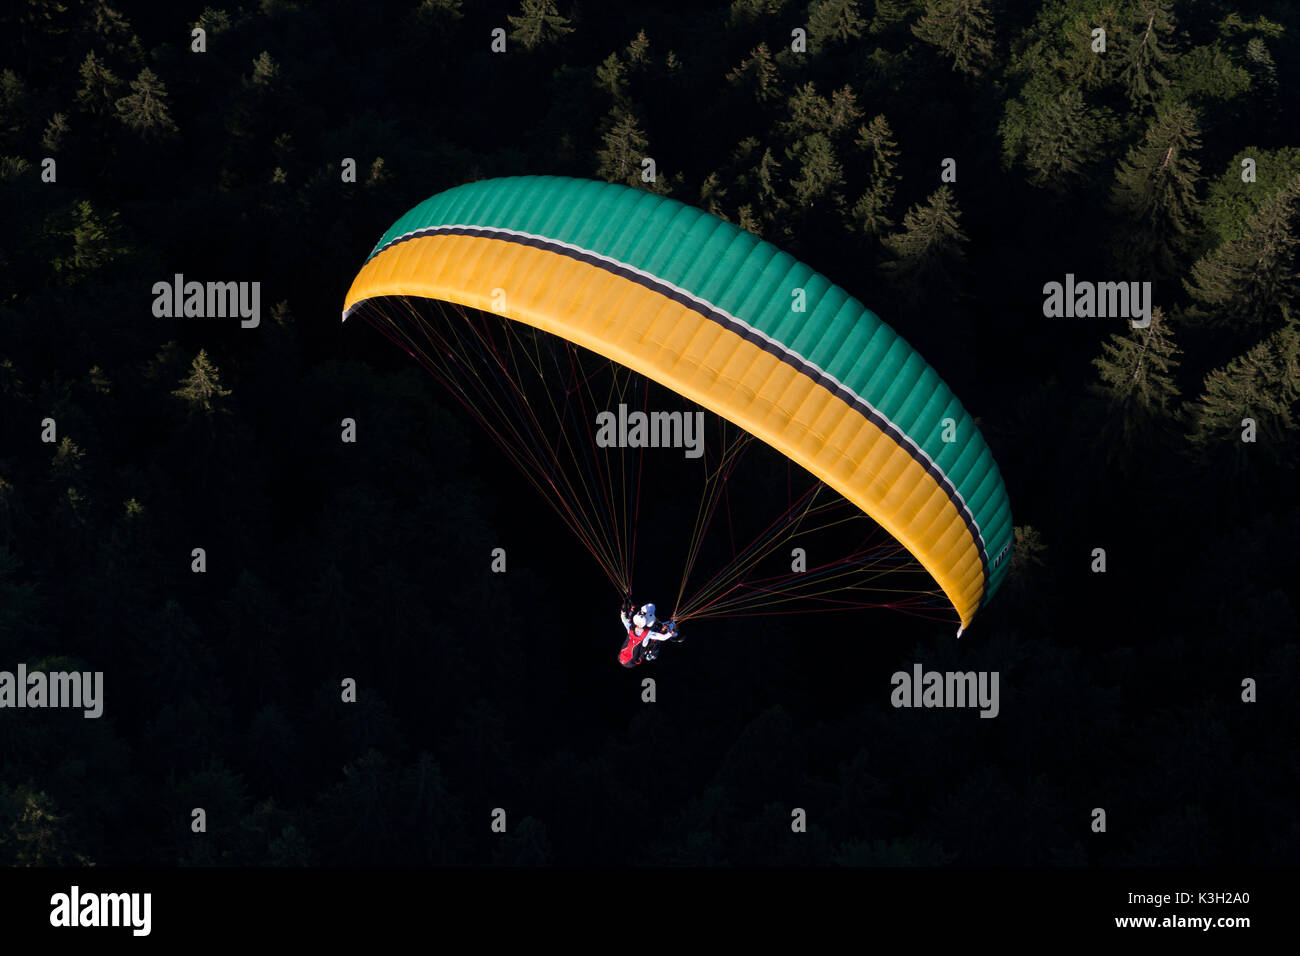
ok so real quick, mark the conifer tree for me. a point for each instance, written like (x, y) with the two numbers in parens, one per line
(41, 835)
(1030, 570)
(15, 105)
(891, 18)
(1262, 385)
(538, 23)
(833, 21)
(712, 193)
(1062, 140)
(611, 76)
(100, 87)
(928, 252)
(1136, 371)
(820, 172)
(843, 112)
(144, 109)
(1251, 281)
(266, 72)
(962, 30)
(625, 145)
(758, 179)
(765, 175)
(772, 206)
(1155, 192)
(810, 112)
(748, 11)
(758, 72)
(440, 11)
(67, 460)
(56, 131)
(1149, 53)
(201, 389)
(637, 53)
(95, 242)
(870, 213)
(1262, 68)
(112, 30)
(1082, 66)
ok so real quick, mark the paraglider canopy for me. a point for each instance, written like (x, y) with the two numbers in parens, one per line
(733, 324)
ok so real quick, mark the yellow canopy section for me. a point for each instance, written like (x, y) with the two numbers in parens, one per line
(709, 356)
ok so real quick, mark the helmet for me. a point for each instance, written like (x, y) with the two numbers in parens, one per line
(649, 612)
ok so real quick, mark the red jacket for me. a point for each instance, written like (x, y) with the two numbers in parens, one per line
(634, 637)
